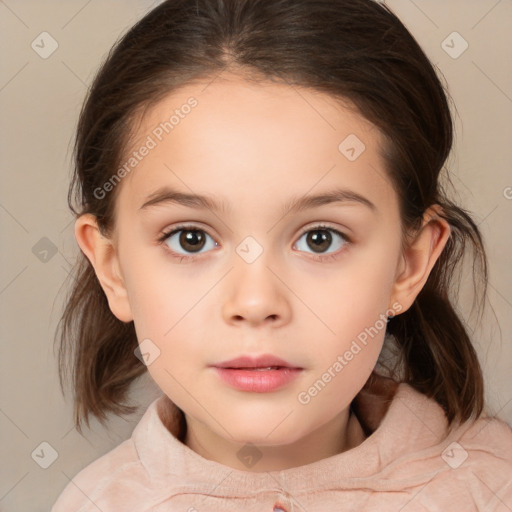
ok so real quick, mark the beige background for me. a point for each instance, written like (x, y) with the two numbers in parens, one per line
(40, 100)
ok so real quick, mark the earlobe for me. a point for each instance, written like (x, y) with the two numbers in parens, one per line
(419, 258)
(101, 252)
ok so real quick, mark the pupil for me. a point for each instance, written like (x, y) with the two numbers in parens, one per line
(320, 239)
(193, 239)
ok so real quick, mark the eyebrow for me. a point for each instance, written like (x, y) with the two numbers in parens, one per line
(166, 195)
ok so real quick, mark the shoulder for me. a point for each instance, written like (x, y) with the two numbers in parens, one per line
(486, 446)
(469, 466)
(491, 434)
(475, 467)
(108, 475)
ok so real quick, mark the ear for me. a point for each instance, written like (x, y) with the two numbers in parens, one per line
(419, 257)
(101, 252)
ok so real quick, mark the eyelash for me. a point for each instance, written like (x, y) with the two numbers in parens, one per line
(162, 237)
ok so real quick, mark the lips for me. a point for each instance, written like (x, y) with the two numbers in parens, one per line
(262, 374)
(263, 362)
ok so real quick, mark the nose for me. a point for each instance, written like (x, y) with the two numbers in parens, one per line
(255, 293)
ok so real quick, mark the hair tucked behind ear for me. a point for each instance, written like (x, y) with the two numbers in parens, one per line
(354, 50)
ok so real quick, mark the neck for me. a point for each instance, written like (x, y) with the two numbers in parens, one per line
(342, 433)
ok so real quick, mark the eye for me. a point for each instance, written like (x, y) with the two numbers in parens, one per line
(191, 239)
(320, 238)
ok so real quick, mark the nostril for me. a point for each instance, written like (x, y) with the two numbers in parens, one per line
(278, 508)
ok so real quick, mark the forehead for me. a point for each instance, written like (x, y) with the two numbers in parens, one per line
(268, 139)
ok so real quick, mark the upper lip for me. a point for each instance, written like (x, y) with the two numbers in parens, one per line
(263, 361)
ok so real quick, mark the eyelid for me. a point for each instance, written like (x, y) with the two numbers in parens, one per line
(318, 225)
(324, 225)
(167, 232)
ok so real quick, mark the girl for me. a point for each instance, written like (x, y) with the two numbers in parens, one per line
(259, 212)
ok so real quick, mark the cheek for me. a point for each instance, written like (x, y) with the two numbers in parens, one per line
(166, 310)
(158, 293)
(353, 295)
(373, 268)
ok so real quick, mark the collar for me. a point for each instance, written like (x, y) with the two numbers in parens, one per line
(410, 418)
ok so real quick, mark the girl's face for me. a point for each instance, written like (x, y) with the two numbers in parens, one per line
(269, 270)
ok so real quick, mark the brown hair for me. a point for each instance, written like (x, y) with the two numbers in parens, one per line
(355, 50)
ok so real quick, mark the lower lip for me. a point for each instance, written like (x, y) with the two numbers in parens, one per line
(258, 381)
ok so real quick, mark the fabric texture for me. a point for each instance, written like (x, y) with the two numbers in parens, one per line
(409, 463)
